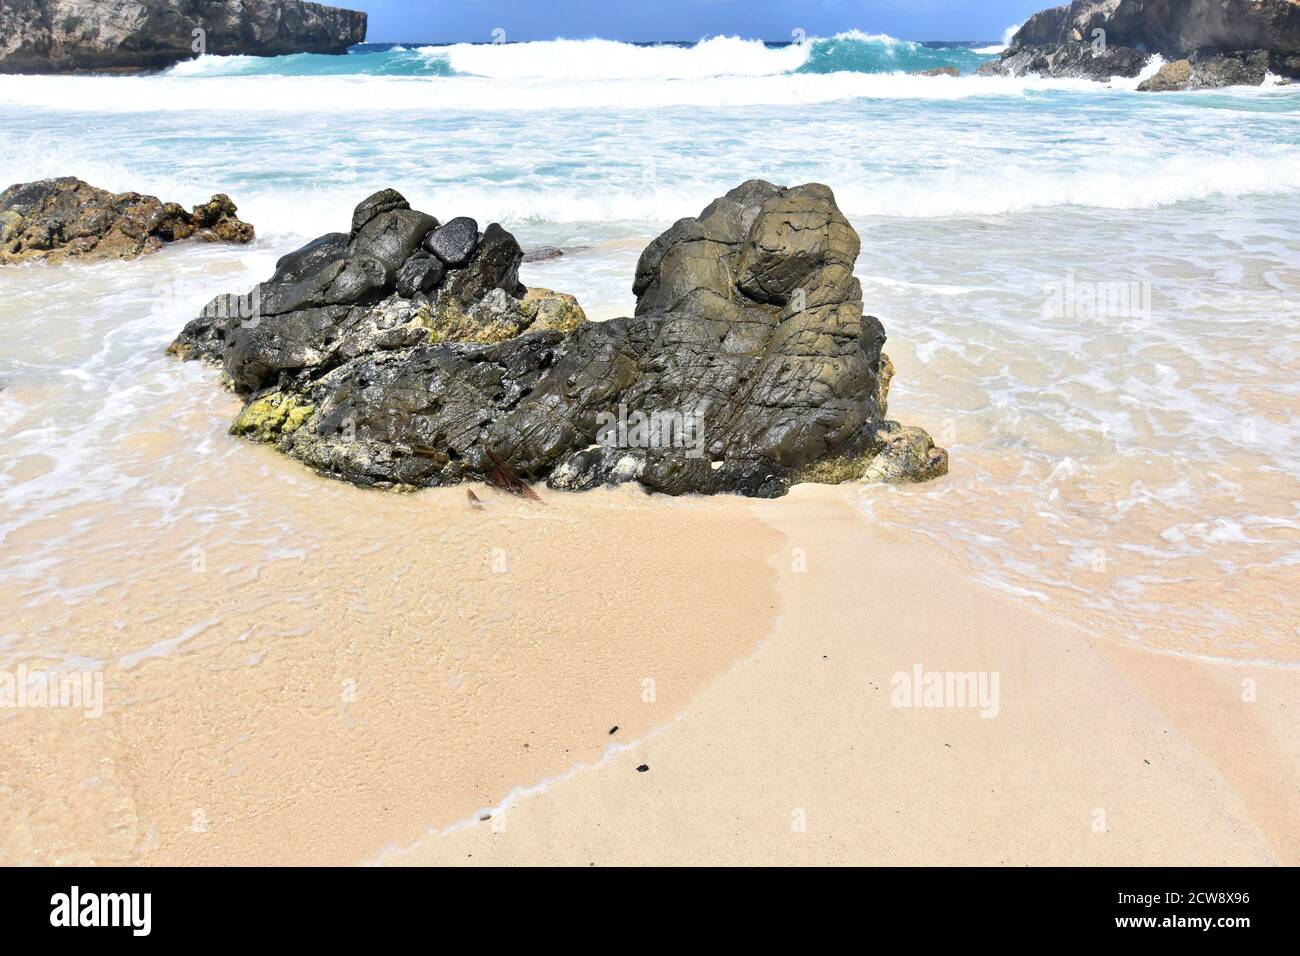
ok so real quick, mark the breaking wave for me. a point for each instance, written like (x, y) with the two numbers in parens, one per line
(851, 52)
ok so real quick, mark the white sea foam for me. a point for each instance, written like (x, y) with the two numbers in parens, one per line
(609, 59)
(331, 94)
(1007, 34)
(212, 65)
(1066, 435)
(301, 213)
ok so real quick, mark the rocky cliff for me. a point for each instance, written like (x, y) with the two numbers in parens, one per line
(64, 36)
(1093, 37)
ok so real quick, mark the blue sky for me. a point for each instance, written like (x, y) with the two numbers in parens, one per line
(474, 20)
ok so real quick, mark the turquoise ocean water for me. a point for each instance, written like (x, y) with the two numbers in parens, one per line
(1132, 469)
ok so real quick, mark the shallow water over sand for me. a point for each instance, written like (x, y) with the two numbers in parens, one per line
(1134, 474)
(1132, 469)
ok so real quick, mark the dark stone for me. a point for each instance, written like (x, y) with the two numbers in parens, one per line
(1177, 30)
(454, 242)
(1069, 61)
(1242, 68)
(386, 200)
(1173, 29)
(420, 275)
(748, 360)
(391, 237)
(1206, 71)
(494, 264)
(311, 258)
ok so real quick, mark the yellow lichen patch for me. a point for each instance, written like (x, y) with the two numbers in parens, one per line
(886, 375)
(423, 317)
(833, 471)
(898, 454)
(269, 417)
(452, 324)
(547, 309)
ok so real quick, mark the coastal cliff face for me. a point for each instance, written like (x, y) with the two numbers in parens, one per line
(406, 353)
(1059, 41)
(1171, 27)
(65, 36)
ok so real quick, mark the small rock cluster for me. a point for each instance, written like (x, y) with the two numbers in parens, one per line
(56, 219)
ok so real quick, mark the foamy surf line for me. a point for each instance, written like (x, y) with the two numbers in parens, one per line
(289, 217)
(596, 58)
(303, 215)
(361, 93)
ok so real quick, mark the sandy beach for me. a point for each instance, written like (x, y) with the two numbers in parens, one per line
(281, 335)
(430, 709)
(1099, 754)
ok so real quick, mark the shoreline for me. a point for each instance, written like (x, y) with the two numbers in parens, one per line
(414, 660)
(1079, 646)
(780, 706)
(727, 793)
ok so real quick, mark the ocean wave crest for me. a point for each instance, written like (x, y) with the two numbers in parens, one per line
(589, 59)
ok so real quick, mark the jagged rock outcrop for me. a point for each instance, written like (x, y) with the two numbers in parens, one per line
(406, 353)
(64, 36)
(1243, 31)
(1205, 72)
(65, 218)
(1068, 61)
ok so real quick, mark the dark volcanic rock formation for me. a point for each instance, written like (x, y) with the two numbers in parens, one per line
(1068, 61)
(63, 36)
(1054, 41)
(392, 356)
(1204, 72)
(66, 218)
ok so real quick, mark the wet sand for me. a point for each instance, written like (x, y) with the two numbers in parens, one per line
(410, 664)
(299, 671)
(1099, 753)
(427, 682)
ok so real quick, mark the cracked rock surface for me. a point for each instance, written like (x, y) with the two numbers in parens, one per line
(407, 353)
